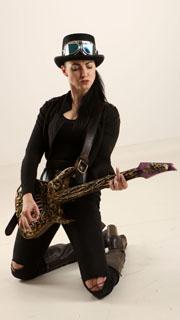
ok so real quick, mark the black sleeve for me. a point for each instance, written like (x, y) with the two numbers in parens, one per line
(34, 152)
(102, 164)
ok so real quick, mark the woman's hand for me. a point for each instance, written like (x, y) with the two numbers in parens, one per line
(119, 182)
(30, 212)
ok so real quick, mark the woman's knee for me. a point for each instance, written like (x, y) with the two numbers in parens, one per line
(19, 271)
(95, 284)
(16, 266)
(101, 293)
(107, 287)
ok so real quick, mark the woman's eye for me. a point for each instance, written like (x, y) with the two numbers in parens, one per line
(74, 69)
(77, 68)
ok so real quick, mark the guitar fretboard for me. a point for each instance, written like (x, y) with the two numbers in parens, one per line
(92, 186)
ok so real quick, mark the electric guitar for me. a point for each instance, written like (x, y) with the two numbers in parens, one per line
(50, 195)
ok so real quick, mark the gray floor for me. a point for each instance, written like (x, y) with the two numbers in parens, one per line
(147, 213)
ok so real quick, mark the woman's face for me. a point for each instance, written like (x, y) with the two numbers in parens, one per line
(81, 74)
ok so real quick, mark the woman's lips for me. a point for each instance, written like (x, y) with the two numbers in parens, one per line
(84, 81)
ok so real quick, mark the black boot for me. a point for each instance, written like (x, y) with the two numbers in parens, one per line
(117, 244)
(59, 255)
(111, 237)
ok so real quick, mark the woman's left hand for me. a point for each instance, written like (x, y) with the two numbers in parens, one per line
(119, 182)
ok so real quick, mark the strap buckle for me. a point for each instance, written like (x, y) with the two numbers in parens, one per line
(82, 166)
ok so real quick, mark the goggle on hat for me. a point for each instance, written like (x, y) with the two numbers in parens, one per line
(79, 46)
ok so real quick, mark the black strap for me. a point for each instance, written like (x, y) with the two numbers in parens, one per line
(11, 225)
(83, 160)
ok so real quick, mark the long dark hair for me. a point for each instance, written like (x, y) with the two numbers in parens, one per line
(92, 102)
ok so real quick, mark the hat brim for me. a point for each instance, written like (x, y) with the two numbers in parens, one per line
(60, 60)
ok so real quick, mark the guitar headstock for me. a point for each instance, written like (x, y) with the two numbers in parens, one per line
(149, 169)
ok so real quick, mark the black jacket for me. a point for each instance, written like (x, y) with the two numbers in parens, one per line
(49, 121)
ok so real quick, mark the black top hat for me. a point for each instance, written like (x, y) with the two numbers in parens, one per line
(79, 46)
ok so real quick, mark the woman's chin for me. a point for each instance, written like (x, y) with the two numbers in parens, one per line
(84, 88)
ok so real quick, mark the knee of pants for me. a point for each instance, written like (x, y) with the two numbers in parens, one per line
(102, 293)
(111, 281)
(23, 273)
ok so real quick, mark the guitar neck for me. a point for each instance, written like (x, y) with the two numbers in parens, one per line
(131, 174)
(78, 191)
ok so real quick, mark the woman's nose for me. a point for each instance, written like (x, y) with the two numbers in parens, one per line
(84, 72)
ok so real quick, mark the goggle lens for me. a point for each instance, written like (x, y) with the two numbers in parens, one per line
(72, 48)
(88, 48)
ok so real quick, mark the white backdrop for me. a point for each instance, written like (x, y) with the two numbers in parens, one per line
(141, 71)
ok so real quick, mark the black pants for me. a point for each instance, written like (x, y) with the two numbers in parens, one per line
(85, 234)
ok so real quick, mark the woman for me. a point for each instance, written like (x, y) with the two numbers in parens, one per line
(59, 132)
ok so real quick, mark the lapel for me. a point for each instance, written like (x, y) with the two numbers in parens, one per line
(57, 121)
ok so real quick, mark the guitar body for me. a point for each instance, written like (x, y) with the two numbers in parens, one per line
(51, 195)
(50, 210)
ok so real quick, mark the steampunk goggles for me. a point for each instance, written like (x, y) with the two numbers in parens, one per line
(73, 47)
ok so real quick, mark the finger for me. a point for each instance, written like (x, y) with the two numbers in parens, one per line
(120, 176)
(20, 222)
(35, 215)
(32, 215)
(28, 216)
(117, 186)
(118, 172)
(124, 182)
(111, 185)
(24, 225)
(37, 212)
(116, 182)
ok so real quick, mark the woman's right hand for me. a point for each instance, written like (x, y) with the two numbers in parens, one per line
(30, 212)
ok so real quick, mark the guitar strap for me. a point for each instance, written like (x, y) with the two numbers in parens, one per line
(82, 161)
(81, 165)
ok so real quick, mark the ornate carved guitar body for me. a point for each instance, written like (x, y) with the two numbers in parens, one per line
(50, 196)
